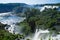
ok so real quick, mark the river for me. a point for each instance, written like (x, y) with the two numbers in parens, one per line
(10, 19)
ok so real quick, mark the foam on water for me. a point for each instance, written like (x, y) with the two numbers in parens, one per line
(8, 18)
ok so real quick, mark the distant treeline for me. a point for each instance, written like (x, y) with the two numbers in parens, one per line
(10, 6)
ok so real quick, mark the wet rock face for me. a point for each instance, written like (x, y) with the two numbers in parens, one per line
(2, 26)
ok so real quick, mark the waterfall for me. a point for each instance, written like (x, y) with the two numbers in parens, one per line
(44, 35)
(38, 34)
(10, 19)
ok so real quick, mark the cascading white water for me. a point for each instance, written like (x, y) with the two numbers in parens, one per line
(39, 34)
(10, 19)
(44, 35)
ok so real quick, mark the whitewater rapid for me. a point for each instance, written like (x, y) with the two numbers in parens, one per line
(10, 19)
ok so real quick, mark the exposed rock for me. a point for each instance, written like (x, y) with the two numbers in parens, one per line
(2, 26)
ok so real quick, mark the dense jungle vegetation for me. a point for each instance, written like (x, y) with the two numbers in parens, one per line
(46, 19)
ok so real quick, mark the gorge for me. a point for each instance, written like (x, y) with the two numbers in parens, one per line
(34, 23)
